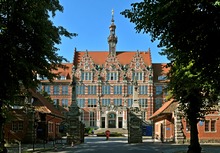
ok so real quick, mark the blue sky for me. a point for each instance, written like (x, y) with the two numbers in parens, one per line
(91, 19)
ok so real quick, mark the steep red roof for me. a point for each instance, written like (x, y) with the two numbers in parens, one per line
(99, 57)
(65, 72)
(167, 108)
(43, 105)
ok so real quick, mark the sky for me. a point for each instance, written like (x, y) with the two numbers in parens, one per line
(91, 19)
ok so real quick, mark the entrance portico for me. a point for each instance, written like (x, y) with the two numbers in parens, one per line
(112, 117)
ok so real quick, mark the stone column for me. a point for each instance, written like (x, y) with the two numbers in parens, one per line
(134, 118)
(74, 125)
(179, 136)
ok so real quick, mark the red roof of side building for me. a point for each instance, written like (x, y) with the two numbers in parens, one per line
(167, 108)
(65, 71)
(99, 57)
(42, 105)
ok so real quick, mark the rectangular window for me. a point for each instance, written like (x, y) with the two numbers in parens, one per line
(213, 122)
(130, 89)
(162, 77)
(130, 102)
(64, 102)
(65, 89)
(142, 90)
(56, 90)
(158, 103)
(62, 77)
(117, 90)
(17, 126)
(143, 103)
(118, 102)
(91, 102)
(112, 76)
(80, 90)
(159, 90)
(106, 90)
(143, 115)
(92, 90)
(50, 127)
(81, 103)
(92, 118)
(86, 76)
(138, 75)
(56, 102)
(47, 89)
(207, 125)
(105, 102)
(39, 88)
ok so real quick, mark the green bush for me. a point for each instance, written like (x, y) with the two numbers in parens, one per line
(88, 130)
(113, 134)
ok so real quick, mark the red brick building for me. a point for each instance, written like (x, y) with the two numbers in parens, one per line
(104, 84)
(32, 119)
(104, 91)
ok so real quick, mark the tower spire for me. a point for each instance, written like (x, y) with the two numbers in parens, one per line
(113, 16)
(112, 38)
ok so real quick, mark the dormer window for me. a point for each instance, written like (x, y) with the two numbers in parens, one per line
(112, 76)
(86, 76)
(62, 77)
(138, 75)
(162, 77)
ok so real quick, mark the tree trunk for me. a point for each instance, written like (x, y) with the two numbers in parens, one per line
(194, 146)
(1, 127)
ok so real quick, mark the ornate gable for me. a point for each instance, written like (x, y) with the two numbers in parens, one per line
(86, 63)
(112, 64)
(137, 63)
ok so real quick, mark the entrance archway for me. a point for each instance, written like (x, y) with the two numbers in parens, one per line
(111, 120)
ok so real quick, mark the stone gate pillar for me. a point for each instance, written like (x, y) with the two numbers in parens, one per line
(134, 118)
(74, 131)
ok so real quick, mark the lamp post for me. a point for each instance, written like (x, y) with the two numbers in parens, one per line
(33, 122)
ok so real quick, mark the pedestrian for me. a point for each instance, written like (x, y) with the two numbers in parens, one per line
(107, 133)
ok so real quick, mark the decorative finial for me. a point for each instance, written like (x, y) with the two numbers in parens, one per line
(112, 15)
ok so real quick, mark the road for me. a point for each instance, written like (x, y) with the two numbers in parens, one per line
(120, 145)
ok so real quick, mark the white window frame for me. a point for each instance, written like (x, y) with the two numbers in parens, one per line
(92, 103)
(91, 89)
(143, 103)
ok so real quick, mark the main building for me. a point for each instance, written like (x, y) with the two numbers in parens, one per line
(103, 84)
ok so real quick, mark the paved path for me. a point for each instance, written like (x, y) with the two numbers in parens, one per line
(120, 145)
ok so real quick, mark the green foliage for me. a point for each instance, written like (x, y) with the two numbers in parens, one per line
(88, 130)
(112, 134)
(27, 40)
(189, 31)
(27, 43)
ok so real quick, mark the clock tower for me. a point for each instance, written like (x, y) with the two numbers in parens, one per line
(112, 38)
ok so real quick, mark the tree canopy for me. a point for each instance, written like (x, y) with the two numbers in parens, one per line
(27, 42)
(189, 30)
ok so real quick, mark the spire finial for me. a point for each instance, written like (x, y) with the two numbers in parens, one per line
(112, 15)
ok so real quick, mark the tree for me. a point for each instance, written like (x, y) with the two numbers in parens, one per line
(189, 31)
(27, 42)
